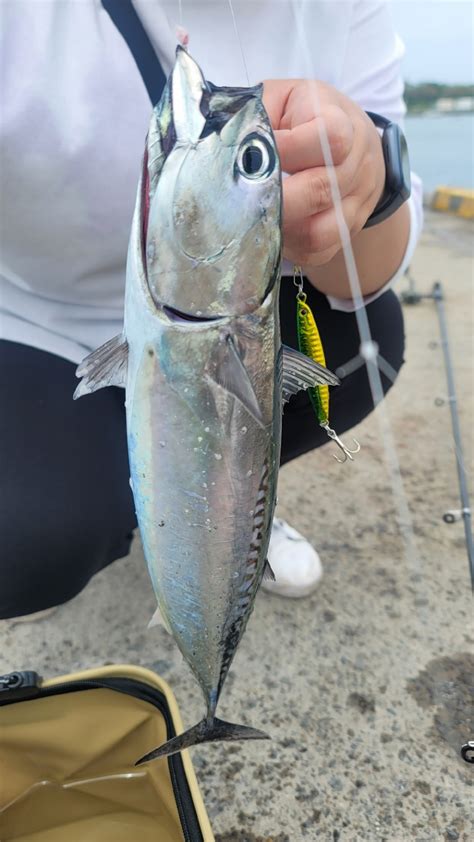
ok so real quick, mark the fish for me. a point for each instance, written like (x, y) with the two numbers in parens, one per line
(204, 370)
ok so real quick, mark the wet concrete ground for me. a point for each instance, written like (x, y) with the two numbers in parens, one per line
(366, 687)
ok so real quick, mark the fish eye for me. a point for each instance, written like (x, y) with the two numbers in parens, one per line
(255, 158)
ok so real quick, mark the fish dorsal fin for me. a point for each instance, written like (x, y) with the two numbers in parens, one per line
(230, 373)
(187, 86)
(268, 573)
(300, 372)
(107, 366)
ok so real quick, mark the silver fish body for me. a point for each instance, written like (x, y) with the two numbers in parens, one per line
(203, 367)
(204, 479)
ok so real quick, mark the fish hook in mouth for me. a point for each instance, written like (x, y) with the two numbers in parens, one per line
(178, 316)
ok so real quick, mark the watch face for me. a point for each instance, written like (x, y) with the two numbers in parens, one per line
(397, 162)
(405, 164)
(397, 171)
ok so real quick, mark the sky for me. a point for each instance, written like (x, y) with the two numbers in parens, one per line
(439, 39)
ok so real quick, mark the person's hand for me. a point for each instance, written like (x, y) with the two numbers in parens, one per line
(298, 108)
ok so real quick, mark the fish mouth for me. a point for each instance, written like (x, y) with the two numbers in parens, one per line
(188, 318)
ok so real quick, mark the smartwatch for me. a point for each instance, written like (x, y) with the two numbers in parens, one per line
(397, 170)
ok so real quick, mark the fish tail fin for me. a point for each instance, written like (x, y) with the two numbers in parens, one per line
(206, 731)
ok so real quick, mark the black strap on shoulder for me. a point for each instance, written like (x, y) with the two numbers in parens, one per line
(125, 18)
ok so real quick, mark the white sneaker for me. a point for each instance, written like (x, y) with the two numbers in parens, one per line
(295, 563)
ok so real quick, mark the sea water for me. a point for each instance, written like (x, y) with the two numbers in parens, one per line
(442, 149)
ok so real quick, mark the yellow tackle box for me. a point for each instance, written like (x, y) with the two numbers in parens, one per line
(67, 751)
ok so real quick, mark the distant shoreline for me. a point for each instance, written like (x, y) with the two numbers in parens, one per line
(436, 97)
(441, 150)
(433, 112)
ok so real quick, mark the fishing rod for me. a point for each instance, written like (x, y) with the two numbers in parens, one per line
(412, 296)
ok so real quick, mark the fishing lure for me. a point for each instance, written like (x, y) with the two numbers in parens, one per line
(309, 342)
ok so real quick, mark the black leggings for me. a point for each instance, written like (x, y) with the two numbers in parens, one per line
(66, 509)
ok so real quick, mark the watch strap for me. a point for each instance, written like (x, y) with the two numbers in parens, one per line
(392, 197)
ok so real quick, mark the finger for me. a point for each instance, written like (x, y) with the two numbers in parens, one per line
(275, 97)
(309, 192)
(309, 260)
(308, 241)
(303, 147)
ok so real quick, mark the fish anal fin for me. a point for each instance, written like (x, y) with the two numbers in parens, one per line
(159, 619)
(107, 366)
(300, 372)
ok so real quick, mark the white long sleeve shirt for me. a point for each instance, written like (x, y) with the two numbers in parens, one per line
(73, 119)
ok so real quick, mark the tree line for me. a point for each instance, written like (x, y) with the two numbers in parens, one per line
(424, 95)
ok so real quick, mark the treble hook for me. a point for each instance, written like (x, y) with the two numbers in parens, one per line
(348, 454)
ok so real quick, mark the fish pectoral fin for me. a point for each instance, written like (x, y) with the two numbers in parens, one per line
(206, 731)
(268, 573)
(300, 372)
(230, 373)
(159, 619)
(107, 366)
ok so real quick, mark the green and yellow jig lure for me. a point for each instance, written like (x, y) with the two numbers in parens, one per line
(309, 342)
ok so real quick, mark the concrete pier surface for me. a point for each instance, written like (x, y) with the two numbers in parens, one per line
(367, 686)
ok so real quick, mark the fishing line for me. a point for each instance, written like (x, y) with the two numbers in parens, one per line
(237, 35)
(368, 349)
